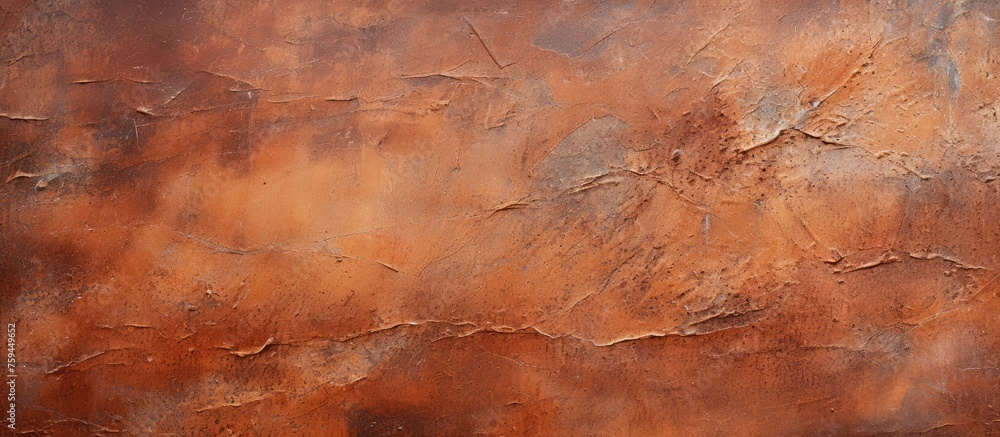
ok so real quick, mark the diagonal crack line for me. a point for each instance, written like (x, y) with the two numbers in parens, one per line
(483, 43)
(711, 39)
(797, 125)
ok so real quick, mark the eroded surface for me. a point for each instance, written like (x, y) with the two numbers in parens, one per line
(458, 218)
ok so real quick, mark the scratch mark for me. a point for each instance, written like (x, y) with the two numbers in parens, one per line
(956, 262)
(112, 79)
(21, 174)
(341, 99)
(711, 38)
(100, 428)
(294, 99)
(237, 403)
(449, 74)
(226, 76)
(591, 183)
(609, 35)
(136, 130)
(797, 124)
(483, 43)
(522, 203)
(254, 351)
(706, 224)
(225, 249)
(76, 362)
(886, 258)
(22, 117)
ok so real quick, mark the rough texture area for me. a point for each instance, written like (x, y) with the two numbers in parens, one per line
(501, 217)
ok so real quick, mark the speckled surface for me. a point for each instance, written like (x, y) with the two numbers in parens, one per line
(501, 218)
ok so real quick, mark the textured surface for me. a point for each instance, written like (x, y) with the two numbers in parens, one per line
(514, 217)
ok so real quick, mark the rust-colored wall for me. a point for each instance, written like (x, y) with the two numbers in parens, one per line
(515, 217)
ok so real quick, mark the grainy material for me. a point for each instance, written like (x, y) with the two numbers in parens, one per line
(501, 217)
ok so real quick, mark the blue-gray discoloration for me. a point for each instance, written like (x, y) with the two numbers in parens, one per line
(954, 78)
